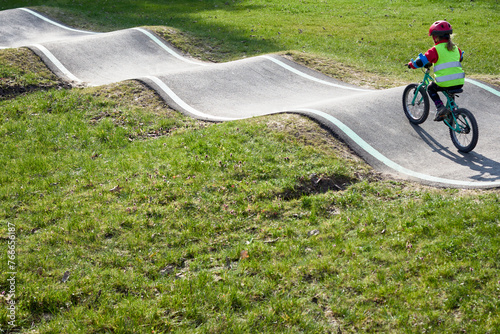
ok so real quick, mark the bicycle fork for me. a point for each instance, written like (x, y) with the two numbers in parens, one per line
(417, 89)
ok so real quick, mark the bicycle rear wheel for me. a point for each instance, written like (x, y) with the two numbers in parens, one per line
(464, 132)
(416, 108)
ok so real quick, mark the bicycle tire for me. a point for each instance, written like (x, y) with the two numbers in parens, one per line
(416, 113)
(465, 132)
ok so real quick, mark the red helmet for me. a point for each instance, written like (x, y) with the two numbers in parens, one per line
(440, 28)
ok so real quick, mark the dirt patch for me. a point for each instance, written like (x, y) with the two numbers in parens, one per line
(22, 71)
(12, 89)
(308, 132)
(317, 184)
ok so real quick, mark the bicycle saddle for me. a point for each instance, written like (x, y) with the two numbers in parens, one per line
(455, 91)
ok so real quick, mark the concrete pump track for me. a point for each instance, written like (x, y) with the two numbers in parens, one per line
(372, 122)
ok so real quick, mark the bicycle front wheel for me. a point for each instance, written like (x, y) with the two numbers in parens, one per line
(464, 131)
(415, 104)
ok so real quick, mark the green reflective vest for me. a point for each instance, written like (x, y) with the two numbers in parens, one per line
(448, 69)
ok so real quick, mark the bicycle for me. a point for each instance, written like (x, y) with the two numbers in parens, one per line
(461, 122)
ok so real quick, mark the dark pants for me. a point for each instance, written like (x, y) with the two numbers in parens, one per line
(433, 90)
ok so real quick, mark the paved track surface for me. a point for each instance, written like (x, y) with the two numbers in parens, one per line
(370, 121)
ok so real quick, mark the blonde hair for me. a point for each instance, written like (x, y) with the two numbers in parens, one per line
(450, 45)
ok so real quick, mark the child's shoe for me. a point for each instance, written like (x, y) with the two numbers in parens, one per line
(441, 113)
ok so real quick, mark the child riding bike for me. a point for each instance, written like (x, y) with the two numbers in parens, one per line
(447, 58)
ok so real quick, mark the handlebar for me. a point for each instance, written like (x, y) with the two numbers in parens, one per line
(427, 66)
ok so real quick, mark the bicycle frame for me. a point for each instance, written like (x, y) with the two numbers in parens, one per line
(461, 123)
(450, 101)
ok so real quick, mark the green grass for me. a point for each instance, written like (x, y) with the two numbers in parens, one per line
(377, 36)
(168, 224)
